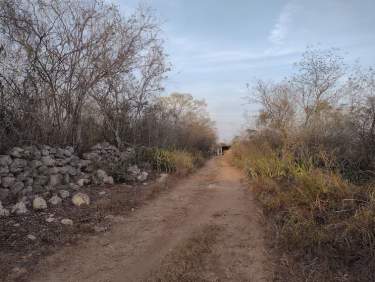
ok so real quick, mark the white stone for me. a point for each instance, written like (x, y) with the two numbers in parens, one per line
(81, 199)
(19, 208)
(64, 194)
(142, 176)
(134, 170)
(101, 174)
(50, 219)
(39, 203)
(55, 200)
(109, 180)
(31, 237)
(67, 221)
(82, 182)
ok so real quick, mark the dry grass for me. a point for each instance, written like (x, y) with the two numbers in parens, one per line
(324, 224)
(179, 162)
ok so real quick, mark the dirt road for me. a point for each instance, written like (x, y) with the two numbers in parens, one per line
(205, 229)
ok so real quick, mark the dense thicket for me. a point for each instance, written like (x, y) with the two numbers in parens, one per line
(325, 112)
(311, 161)
(78, 72)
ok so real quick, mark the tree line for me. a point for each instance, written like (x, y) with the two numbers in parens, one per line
(79, 72)
(325, 112)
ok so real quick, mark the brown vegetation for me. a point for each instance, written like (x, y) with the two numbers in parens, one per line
(78, 72)
(311, 163)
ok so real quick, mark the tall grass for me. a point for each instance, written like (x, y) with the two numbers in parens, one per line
(175, 161)
(318, 215)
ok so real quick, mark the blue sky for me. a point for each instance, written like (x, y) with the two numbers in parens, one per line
(217, 47)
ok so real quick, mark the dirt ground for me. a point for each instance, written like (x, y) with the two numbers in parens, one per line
(207, 228)
(19, 254)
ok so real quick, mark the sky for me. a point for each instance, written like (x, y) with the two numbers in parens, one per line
(217, 47)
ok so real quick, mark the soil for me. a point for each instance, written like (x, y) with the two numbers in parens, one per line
(207, 227)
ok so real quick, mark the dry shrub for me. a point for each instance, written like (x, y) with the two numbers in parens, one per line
(320, 218)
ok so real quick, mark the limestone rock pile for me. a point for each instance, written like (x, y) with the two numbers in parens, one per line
(34, 170)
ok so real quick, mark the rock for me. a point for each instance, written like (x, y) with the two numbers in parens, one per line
(109, 217)
(84, 163)
(23, 175)
(5, 160)
(69, 150)
(50, 219)
(162, 178)
(109, 180)
(99, 229)
(31, 237)
(53, 170)
(43, 170)
(7, 181)
(41, 180)
(29, 181)
(35, 164)
(134, 170)
(19, 208)
(142, 176)
(28, 190)
(17, 187)
(4, 170)
(67, 221)
(74, 186)
(39, 203)
(3, 211)
(4, 193)
(81, 199)
(72, 171)
(45, 152)
(102, 193)
(16, 152)
(48, 161)
(17, 165)
(64, 169)
(55, 200)
(74, 161)
(82, 182)
(37, 188)
(60, 153)
(101, 174)
(64, 194)
(54, 180)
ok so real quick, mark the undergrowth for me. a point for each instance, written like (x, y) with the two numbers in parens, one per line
(322, 221)
(174, 161)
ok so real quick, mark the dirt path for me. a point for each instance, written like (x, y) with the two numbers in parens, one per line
(205, 229)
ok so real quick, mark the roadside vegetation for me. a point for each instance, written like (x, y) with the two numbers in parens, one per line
(311, 163)
(77, 73)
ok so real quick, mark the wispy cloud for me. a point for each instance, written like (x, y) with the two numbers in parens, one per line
(281, 29)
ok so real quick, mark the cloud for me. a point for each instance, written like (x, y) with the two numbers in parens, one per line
(281, 29)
